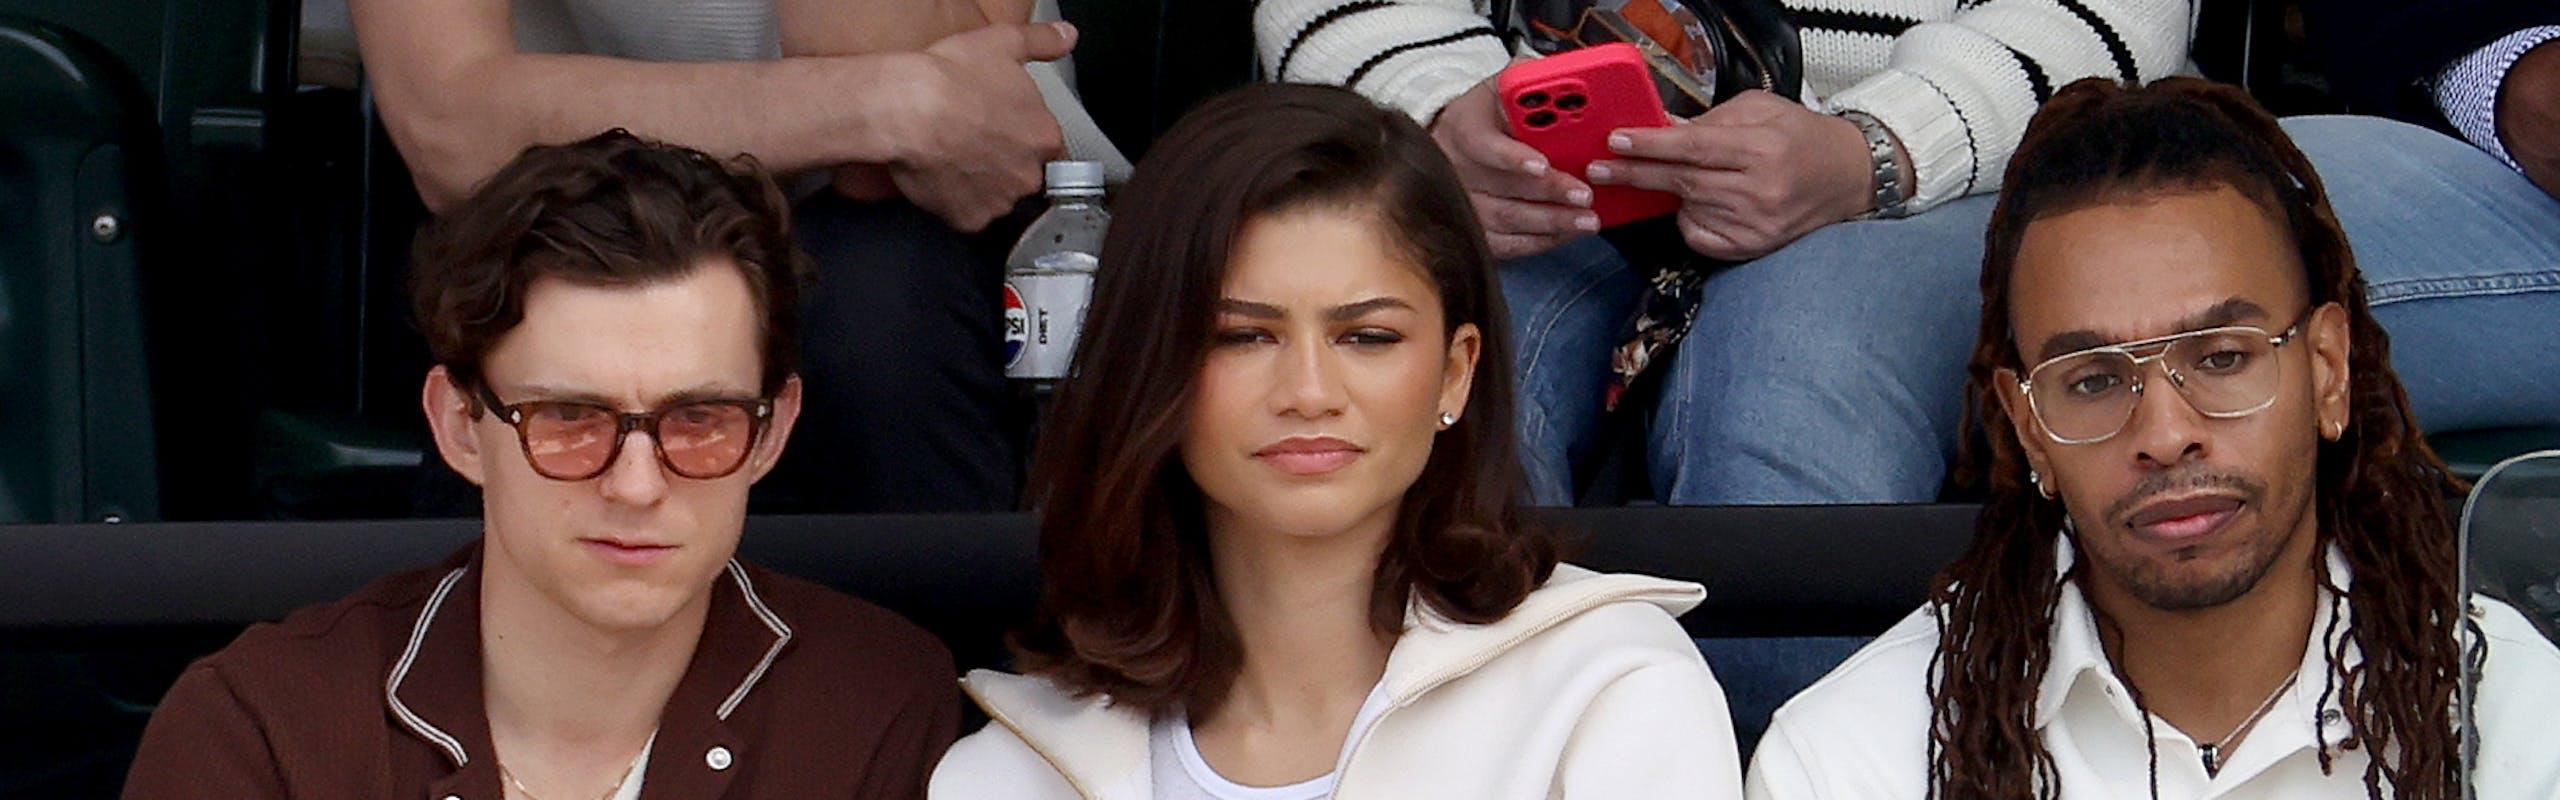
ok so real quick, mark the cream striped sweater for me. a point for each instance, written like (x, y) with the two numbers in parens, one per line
(1956, 80)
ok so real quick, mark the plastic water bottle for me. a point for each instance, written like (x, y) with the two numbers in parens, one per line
(1049, 277)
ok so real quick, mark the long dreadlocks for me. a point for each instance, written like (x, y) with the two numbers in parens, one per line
(2381, 491)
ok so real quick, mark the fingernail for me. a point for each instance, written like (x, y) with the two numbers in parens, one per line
(1598, 171)
(1620, 141)
(1587, 222)
(1579, 197)
(1535, 166)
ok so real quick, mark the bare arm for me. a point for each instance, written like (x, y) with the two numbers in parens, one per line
(967, 194)
(460, 99)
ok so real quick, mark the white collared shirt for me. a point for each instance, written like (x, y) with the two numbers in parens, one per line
(1861, 732)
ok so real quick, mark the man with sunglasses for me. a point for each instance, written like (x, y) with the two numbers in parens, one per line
(612, 323)
(2216, 559)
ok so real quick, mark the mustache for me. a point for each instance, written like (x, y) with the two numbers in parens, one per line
(2249, 489)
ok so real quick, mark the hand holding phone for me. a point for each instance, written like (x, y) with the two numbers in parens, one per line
(1525, 206)
(1566, 105)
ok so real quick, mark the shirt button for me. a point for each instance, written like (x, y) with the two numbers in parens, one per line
(2329, 717)
(718, 758)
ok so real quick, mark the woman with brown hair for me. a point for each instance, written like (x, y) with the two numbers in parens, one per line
(1283, 551)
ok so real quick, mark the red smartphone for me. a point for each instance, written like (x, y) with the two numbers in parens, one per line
(1566, 104)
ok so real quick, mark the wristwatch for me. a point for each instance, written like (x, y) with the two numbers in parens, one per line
(1893, 200)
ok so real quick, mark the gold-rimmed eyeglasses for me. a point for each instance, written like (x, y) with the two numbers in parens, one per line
(2226, 372)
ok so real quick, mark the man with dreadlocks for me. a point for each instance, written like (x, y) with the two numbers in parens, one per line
(2237, 584)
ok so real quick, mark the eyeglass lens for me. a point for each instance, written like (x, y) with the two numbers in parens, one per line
(574, 441)
(2221, 374)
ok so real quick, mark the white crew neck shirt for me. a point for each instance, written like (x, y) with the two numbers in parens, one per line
(1180, 773)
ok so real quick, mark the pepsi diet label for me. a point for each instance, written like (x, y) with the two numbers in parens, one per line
(1017, 326)
(1042, 315)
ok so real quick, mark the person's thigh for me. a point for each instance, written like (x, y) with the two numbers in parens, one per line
(1566, 308)
(2461, 261)
(1831, 371)
(901, 347)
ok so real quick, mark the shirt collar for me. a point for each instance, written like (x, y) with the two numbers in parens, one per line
(434, 688)
(2077, 656)
(1435, 649)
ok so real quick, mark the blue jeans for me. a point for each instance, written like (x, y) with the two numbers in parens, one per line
(1831, 370)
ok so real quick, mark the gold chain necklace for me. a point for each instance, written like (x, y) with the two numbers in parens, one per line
(528, 791)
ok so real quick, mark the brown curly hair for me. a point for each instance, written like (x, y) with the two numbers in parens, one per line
(2382, 493)
(611, 210)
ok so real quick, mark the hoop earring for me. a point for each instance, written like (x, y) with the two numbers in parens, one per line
(2037, 478)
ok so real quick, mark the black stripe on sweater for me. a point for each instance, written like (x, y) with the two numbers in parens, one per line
(2125, 72)
(1362, 71)
(2036, 79)
(1850, 21)
(1329, 17)
(1972, 148)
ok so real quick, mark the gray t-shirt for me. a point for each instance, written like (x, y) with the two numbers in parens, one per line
(651, 30)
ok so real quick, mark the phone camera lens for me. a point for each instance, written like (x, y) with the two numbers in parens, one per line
(1571, 102)
(1533, 100)
(1541, 119)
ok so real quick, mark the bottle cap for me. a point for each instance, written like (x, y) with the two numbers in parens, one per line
(1074, 175)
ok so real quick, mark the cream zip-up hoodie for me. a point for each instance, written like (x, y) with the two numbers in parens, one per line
(1588, 690)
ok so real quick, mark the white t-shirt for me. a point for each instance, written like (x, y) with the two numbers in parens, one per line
(639, 766)
(1181, 774)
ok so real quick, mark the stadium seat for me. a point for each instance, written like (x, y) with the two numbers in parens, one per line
(344, 441)
(131, 133)
(152, 248)
(75, 402)
(340, 438)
